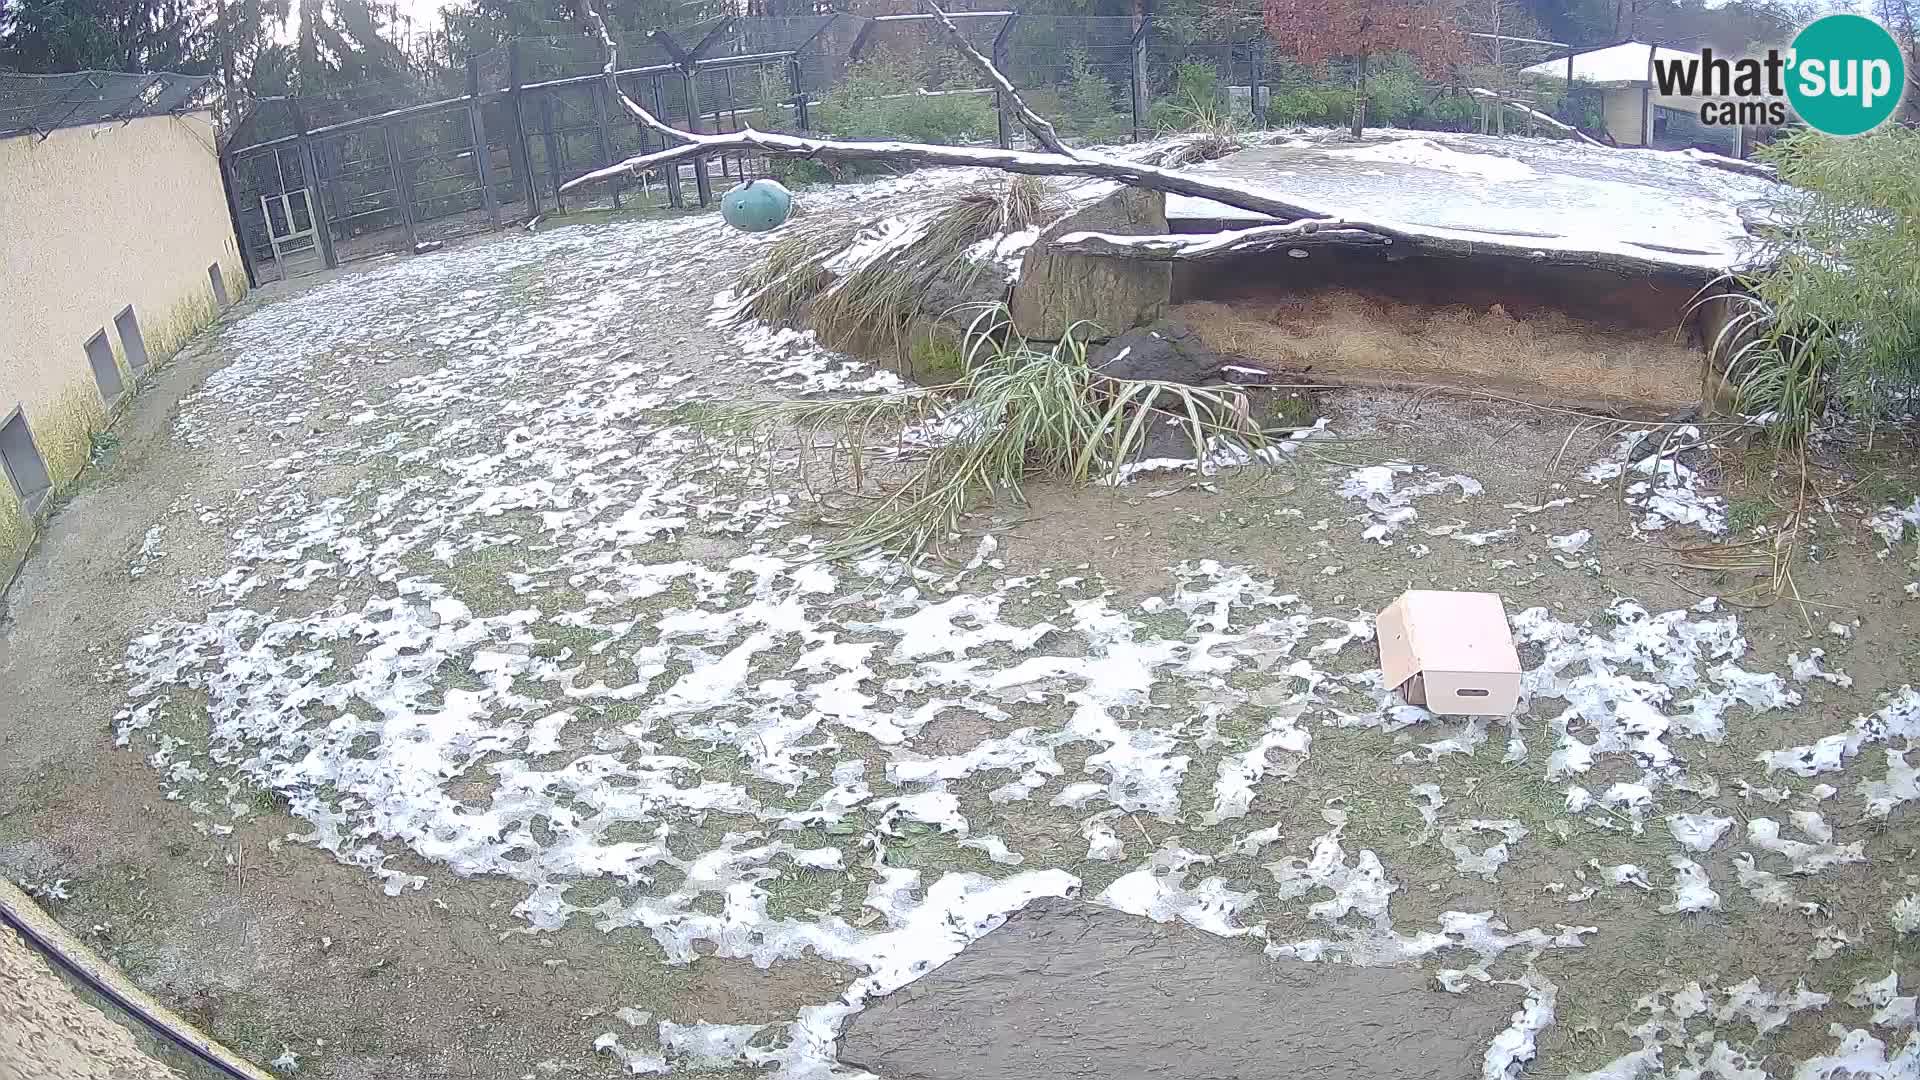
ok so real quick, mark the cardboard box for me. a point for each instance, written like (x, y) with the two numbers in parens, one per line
(1451, 652)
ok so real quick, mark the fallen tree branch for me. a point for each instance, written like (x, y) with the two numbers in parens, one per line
(1334, 230)
(1536, 114)
(1033, 121)
(1191, 247)
(1059, 162)
(1697, 156)
(1130, 173)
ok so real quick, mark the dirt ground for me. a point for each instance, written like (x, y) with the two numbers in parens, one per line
(492, 425)
(1064, 989)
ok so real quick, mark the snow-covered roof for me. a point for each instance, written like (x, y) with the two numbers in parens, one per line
(1626, 64)
(1506, 194)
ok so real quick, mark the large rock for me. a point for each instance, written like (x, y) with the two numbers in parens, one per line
(1167, 350)
(1114, 295)
(1065, 991)
(962, 293)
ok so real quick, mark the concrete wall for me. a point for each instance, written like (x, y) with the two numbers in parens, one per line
(93, 219)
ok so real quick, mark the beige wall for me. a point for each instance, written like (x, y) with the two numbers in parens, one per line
(1622, 112)
(93, 219)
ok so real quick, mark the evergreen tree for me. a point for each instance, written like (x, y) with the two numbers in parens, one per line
(41, 36)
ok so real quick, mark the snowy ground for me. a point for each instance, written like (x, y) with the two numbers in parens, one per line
(490, 622)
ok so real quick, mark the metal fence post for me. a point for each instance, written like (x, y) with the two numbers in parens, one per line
(799, 88)
(799, 94)
(734, 118)
(1002, 126)
(517, 150)
(1138, 77)
(231, 183)
(1646, 100)
(482, 150)
(552, 144)
(605, 137)
(402, 190)
(317, 197)
(1253, 81)
(671, 173)
(701, 185)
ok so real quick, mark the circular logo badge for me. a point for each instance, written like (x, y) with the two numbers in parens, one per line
(1846, 75)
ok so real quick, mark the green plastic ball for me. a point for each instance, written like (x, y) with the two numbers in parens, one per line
(757, 207)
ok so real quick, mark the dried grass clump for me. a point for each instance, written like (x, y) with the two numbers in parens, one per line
(870, 305)
(1019, 412)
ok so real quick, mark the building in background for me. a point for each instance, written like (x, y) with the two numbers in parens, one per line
(118, 246)
(1631, 108)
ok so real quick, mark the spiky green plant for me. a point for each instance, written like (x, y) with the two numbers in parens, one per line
(1019, 412)
(1198, 106)
(1779, 370)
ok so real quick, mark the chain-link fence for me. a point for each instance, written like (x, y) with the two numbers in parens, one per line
(40, 104)
(378, 167)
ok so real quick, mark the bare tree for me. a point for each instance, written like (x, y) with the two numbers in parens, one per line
(1508, 30)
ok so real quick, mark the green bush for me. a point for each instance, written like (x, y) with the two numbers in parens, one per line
(880, 99)
(772, 108)
(797, 172)
(1084, 107)
(1089, 106)
(1458, 112)
(1837, 313)
(1316, 106)
(1196, 100)
(1397, 93)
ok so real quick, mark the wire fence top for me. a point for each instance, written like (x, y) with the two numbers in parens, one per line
(1076, 59)
(39, 104)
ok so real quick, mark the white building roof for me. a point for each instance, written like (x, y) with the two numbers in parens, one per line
(1616, 65)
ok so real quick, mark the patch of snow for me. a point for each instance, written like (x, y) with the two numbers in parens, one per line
(1698, 832)
(1571, 543)
(1691, 890)
(1391, 508)
(1428, 154)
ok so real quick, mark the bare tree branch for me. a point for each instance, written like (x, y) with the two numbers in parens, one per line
(599, 27)
(1033, 121)
(1558, 125)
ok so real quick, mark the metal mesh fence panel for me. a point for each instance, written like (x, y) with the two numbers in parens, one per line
(44, 103)
(1077, 72)
(547, 118)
